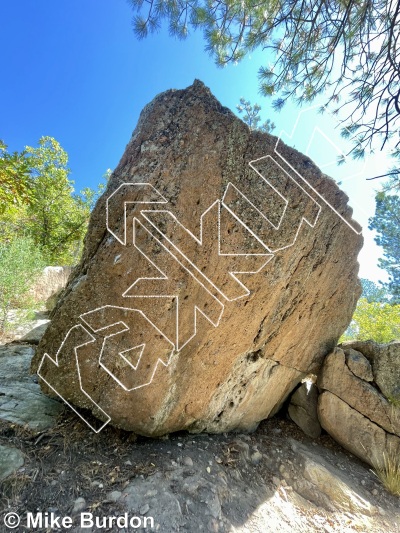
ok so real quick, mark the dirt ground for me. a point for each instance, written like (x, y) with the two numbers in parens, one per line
(274, 480)
(229, 482)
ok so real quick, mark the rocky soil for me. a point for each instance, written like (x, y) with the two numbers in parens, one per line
(274, 479)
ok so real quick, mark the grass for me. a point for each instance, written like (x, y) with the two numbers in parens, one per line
(387, 468)
(12, 486)
(388, 471)
(394, 400)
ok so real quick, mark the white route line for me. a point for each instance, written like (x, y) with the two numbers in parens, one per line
(230, 184)
(55, 361)
(276, 150)
(303, 219)
(200, 242)
(126, 328)
(142, 346)
(150, 189)
(165, 277)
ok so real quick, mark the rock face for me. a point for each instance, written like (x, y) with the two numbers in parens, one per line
(351, 408)
(219, 269)
(385, 362)
(51, 282)
(327, 486)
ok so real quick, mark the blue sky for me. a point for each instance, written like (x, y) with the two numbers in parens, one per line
(75, 71)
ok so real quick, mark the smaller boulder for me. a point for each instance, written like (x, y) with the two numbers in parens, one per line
(303, 409)
(358, 364)
(34, 335)
(52, 280)
(355, 432)
(337, 378)
(385, 361)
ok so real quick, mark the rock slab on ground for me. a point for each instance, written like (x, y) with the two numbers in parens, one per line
(297, 485)
(212, 281)
(327, 486)
(10, 460)
(21, 400)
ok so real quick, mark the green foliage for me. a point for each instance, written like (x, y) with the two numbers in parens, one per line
(394, 401)
(386, 222)
(20, 264)
(42, 220)
(251, 116)
(347, 50)
(55, 217)
(15, 179)
(373, 320)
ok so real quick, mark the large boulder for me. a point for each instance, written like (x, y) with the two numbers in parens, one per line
(50, 283)
(219, 269)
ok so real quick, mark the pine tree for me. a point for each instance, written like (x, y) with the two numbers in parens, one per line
(347, 49)
(250, 114)
(386, 222)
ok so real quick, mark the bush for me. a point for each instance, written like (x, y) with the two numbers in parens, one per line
(374, 320)
(20, 265)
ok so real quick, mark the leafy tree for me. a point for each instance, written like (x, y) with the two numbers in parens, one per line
(373, 320)
(20, 264)
(251, 116)
(348, 49)
(55, 217)
(15, 179)
(42, 220)
(386, 222)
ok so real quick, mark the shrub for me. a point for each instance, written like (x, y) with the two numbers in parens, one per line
(20, 265)
(374, 320)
